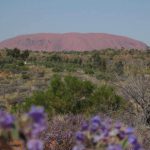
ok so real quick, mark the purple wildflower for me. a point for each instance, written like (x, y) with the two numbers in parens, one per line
(121, 135)
(94, 126)
(137, 147)
(114, 147)
(118, 125)
(96, 119)
(129, 130)
(35, 144)
(80, 136)
(79, 147)
(132, 139)
(106, 134)
(39, 122)
(37, 128)
(106, 125)
(37, 113)
(6, 120)
(85, 126)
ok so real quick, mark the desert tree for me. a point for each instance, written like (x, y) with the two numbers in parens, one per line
(137, 89)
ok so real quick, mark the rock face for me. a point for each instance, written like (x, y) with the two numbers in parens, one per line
(71, 41)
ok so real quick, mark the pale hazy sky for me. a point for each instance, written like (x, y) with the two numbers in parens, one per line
(122, 17)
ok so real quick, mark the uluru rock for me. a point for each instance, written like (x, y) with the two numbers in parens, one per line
(71, 41)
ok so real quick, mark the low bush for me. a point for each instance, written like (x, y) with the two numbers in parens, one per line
(106, 100)
(72, 95)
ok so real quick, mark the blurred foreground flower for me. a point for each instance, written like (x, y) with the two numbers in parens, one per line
(27, 128)
(35, 145)
(99, 134)
(6, 120)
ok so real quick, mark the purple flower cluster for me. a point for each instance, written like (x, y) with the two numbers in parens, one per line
(37, 125)
(38, 120)
(29, 126)
(104, 134)
(6, 120)
(35, 144)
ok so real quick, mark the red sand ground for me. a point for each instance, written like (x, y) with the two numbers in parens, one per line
(71, 41)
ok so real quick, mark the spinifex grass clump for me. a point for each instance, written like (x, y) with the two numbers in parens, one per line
(26, 129)
(100, 134)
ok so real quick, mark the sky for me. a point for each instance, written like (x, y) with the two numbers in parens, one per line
(130, 18)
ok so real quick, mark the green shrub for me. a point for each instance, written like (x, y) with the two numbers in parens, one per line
(106, 100)
(70, 68)
(103, 76)
(119, 68)
(58, 68)
(25, 76)
(88, 70)
(72, 95)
